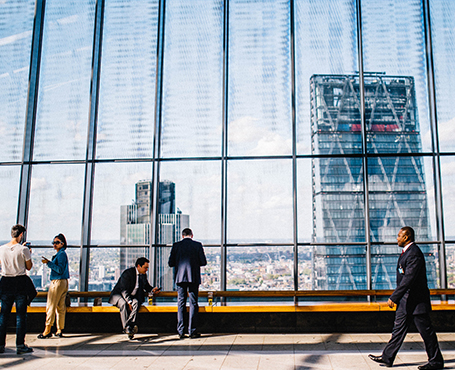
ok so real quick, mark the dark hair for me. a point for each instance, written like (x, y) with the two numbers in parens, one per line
(141, 261)
(17, 230)
(409, 231)
(187, 232)
(62, 238)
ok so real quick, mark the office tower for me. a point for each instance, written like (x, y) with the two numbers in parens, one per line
(135, 228)
(396, 184)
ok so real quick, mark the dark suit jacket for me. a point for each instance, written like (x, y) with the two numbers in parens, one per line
(126, 284)
(187, 257)
(412, 294)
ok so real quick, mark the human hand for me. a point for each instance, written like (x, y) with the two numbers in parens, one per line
(44, 259)
(390, 303)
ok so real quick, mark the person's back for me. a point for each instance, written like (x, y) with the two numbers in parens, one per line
(13, 259)
(187, 257)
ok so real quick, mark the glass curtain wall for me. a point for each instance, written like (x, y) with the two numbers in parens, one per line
(126, 121)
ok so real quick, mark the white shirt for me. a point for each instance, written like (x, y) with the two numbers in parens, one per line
(406, 247)
(13, 258)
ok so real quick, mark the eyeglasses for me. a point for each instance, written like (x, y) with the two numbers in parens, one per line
(57, 242)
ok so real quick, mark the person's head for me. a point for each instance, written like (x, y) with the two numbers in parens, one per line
(187, 233)
(17, 230)
(405, 236)
(59, 242)
(142, 265)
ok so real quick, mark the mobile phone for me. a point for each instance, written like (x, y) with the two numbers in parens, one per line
(28, 244)
(44, 258)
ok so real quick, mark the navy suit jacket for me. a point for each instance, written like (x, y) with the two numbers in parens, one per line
(187, 257)
(127, 283)
(412, 294)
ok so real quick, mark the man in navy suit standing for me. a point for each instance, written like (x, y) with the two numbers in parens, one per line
(412, 298)
(187, 256)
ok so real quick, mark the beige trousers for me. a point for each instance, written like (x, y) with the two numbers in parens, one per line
(56, 303)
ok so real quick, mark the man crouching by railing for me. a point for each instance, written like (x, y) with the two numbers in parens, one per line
(128, 294)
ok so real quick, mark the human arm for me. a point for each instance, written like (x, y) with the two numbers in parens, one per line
(202, 258)
(59, 264)
(414, 263)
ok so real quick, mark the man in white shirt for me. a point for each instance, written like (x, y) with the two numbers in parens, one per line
(15, 260)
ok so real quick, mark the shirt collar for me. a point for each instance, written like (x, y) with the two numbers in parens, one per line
(406, 247)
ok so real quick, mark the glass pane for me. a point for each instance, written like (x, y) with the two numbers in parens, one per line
(260, 268)
(192, 80)
(104, 269)
(335, 118)
(40, 273)
(384, 260)
(341, 267)
(190, 196)
(127, 83)
(9, 183)
(306, 268)
(326, 45)
(16, 25)
(259, 205)
(450, 262)
(401, 194)
(211, 274)
(395, 67)
(64, 89)
(305, 200)
(118, 204)
(56, 203)
(443, 42)
(259, 100)
(448, 194)
(338, 200)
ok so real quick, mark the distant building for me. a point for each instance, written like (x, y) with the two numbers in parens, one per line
(397, 191)
(135, 228)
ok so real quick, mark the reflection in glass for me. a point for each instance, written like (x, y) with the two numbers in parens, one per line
(40, 273)
(9, 183)
(339, 268)
(394, 46)
(127, 82)
(306, 265)
(450, 265)
(192, 79)
(56, 203)
(448, 192)
(443, 44)
(399, 196)
(64, 89)
(259, 78)
(259, 207)
(16, 25)
(260, 268)
(326, 44)
(115, 203)
(197, 193)
(104, 269)
(384, 259)
(304, 200)
(210, 274)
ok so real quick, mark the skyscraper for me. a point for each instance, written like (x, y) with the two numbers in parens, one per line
(135, 228)
(397, 190)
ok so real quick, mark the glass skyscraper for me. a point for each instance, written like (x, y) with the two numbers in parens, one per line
(396, 185)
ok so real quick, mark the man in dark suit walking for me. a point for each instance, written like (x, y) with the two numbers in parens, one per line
(128, 294)
(187, 256)
(412, 298)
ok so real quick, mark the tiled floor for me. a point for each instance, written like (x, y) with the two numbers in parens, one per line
(218, 351)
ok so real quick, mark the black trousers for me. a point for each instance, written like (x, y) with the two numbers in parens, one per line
(401, 326)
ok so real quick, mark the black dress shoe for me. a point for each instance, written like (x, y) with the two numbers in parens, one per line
(380, 360)
(42, 336)
(429, 366)
(182, 336)
(195, 335)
